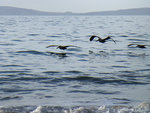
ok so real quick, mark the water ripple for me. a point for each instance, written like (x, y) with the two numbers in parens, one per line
(95, 92)
(34, 52)
(13, 65)
(97, 80)
(6, 98)
(33, 34)
(13, 72)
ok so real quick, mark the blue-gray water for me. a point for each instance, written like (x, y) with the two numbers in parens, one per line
(91, 74)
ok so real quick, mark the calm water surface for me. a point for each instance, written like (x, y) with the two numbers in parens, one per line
(91, 73)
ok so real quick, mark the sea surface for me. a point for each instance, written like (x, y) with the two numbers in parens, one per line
(89, 77)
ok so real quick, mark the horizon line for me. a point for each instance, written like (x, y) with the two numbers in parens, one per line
(72, 11)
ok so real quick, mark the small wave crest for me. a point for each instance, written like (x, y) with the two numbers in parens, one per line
(141, 108)
(102, 80)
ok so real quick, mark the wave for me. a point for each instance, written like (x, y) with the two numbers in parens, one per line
(141, 108)
(32, 52)
(12, 65)
(51, 72)
(93, 80)
(74, 72)
(97, 80)
(33, 34)
(51, 77)
(95, 92)
(138, 40)
(2, 72)
(9, 98)
(7, 44)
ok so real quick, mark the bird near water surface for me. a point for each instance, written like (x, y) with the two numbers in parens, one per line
(60, 46)
(138, 45)
(100, 39)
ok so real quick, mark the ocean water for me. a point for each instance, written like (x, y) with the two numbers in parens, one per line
(91, 77)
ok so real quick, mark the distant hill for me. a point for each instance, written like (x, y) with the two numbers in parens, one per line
(135, 11)
(5, 10)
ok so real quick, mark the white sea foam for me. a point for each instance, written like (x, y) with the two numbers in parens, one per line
(141, 108)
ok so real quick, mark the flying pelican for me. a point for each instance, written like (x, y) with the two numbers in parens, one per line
(100, 39)
(138, 45)
(60, 46)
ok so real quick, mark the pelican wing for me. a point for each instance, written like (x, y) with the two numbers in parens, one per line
(107, 38)
(131, 44)
(93, 36)
(52, 46)
(138, 45)
(113, 40)
(147, 45)
(70, 46)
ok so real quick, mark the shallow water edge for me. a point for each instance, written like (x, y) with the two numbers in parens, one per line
(141, 108)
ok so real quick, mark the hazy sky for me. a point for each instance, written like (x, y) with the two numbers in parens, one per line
(76, 5)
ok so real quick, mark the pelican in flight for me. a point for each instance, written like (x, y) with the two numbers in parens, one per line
(60, 46)
(138, 45)
(100, 39)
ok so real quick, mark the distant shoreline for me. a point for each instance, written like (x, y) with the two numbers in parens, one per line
(6, 10)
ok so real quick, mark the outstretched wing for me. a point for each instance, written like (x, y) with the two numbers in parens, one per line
(93, 36)
(131, 44)
(70, 46)
(52, 46)
(147, 45)
(137, 45)
(107, 38)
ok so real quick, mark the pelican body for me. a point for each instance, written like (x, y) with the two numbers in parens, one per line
(100, 39)
(138, 45)
(60, 46)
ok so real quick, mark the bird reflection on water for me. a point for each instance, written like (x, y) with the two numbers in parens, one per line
(60, 55)
(99, 53)
(61, 47)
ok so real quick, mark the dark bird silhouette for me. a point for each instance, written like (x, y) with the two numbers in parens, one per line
(60, 46)
(138, 45)
(100, 39)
